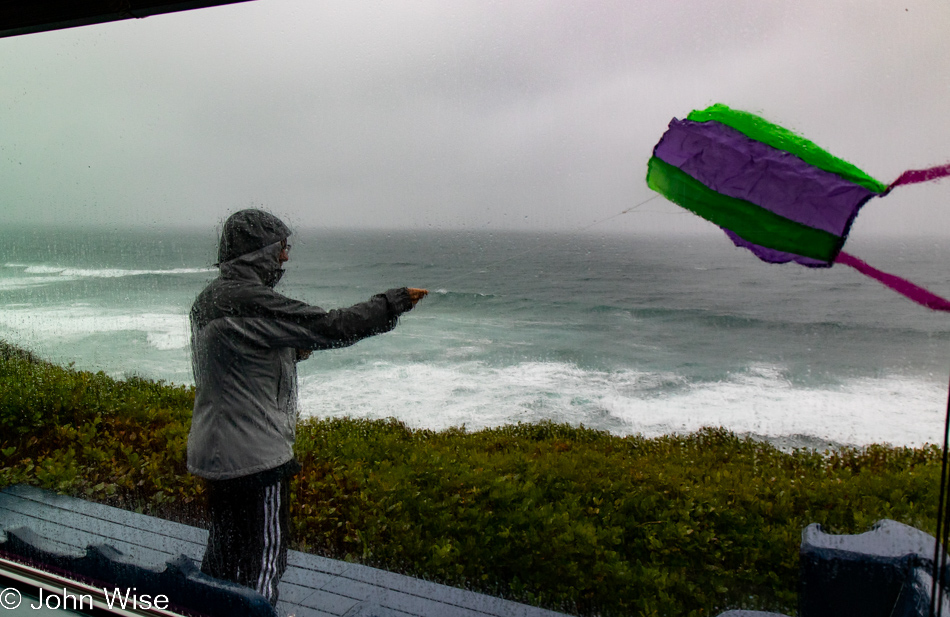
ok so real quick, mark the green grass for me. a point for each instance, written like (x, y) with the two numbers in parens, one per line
(568, 518)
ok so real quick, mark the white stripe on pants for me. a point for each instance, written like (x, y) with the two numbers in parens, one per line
(267, 579)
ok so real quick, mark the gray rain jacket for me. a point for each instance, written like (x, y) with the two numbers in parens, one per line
(244, 337)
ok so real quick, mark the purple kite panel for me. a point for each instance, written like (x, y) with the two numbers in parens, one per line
(730, 163)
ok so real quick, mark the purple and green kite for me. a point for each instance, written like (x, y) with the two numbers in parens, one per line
(772, 191)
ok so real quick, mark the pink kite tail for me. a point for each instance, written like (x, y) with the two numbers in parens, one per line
(901, 286)
(913, 176)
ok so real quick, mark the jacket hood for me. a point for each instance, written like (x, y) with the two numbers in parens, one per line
(261, 266)
(248, 231)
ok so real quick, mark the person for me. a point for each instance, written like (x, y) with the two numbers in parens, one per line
(246, 339)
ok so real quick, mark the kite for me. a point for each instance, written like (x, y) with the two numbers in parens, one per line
(773, 191)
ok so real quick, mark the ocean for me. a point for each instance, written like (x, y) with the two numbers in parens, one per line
(624, 333)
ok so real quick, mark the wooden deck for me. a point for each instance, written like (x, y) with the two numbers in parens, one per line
(313, 586)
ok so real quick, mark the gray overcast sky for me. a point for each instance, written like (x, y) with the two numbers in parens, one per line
(459, 114)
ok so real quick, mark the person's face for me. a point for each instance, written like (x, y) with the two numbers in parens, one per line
(284, 253)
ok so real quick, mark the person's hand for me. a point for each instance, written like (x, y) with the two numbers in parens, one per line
(416, 294)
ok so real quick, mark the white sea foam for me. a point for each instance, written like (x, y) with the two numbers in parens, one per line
(43, 269)
(40, 275)
(107, 272)
(26, 282)
(44, 327)
(895, 410)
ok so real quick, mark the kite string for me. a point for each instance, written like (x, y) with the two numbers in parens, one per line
(443, 282)
(645, 201)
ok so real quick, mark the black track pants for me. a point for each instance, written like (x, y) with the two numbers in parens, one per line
(247, 542)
